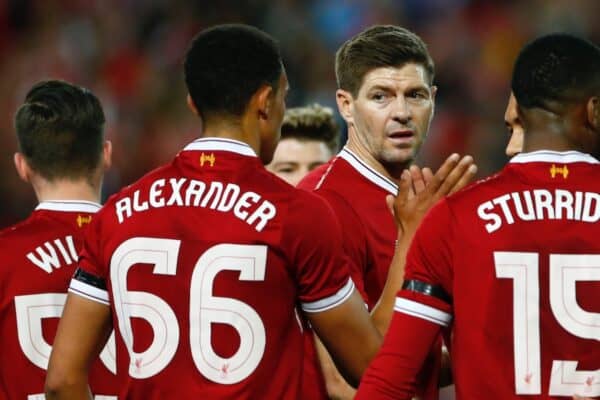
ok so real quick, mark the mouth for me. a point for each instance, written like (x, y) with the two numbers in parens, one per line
(405, 137)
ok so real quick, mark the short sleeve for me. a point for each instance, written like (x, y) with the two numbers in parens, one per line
(429, 262)
(89, 279)
(313, 240)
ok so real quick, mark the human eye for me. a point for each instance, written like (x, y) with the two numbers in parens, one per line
(418, 94)
(379, 96)
(285, 169)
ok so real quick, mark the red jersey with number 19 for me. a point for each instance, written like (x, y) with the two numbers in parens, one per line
(518, 258)
(203, 262)
(38, 257)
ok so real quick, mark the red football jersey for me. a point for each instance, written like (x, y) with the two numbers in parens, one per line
(39, 256)
(356, 193)
(204, 262)
(519, 258)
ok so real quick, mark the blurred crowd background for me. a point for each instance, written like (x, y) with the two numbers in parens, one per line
(129, 52)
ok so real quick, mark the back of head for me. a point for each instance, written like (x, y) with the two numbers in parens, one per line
(225, 65)
(313, 122)
(376, 47)
(556, 68)
(60, 130)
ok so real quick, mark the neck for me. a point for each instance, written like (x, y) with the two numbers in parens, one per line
(66, 190)
(548, 130)
(230, 129)
(391, 171)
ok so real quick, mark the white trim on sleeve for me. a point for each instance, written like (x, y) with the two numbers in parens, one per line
(88, 291)
(332, 301)
(422, 311)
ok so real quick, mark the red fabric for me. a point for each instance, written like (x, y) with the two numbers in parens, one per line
(20, 278)
(369, 234)
(304, 263)
(454, 249)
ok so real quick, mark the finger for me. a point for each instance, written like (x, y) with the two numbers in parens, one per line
(465, 178)
(417, 178)
(389, 202)
(405, 190)
(442, 173)
(427, 175)
(454, 176)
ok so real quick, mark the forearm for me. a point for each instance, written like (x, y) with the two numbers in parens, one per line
(337, 387)
(74, 388)
(381, 314)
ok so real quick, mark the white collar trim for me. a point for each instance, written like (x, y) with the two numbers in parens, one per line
(69, 205)
(221, 144)
(368, 172)
(563, 157)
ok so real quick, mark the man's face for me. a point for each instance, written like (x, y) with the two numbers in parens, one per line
(515, 129)
(270, 136)
(294, 158)
(392, 112)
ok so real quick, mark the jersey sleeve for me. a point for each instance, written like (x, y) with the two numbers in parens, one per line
(316, 257)
(90, 278)
(353, 238)
(394, 371)
(427, 290)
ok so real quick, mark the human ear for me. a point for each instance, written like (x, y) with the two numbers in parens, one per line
(22, 167)
(593, 113)
(344, 101)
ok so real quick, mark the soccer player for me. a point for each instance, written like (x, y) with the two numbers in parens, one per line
(512, 263)
(309, 138)
(200, 264)
(386, 96)
(62, 154)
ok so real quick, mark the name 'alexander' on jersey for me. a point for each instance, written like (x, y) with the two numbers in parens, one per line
(248, 206)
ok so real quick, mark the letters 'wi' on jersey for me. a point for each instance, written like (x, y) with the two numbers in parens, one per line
(38, 258)
(519, 256)
(204, 263)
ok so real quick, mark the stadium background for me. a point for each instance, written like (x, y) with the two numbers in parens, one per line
(129, 52)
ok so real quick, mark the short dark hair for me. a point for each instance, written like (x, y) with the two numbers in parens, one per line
(313, 122)
(558, 67)
(376, 47)
(60, 130)
(225, 65)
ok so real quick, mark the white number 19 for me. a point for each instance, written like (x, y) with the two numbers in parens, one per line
(565, 271)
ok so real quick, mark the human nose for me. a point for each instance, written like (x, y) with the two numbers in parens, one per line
(402, 110)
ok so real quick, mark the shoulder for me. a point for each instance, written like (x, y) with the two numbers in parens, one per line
(314, 177)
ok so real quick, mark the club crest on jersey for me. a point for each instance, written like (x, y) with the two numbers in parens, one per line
(207, 158)
(554, 170)
(82, 220)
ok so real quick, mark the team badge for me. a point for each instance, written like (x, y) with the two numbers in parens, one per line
(81, 220)
(207, 158)
(564, 171)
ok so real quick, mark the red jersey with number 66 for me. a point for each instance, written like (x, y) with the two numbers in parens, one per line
(517, 259)
(204, 263)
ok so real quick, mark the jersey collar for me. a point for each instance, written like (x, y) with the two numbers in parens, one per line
(362, 168)
(563, 157)
(69, 205)
(221, 144)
